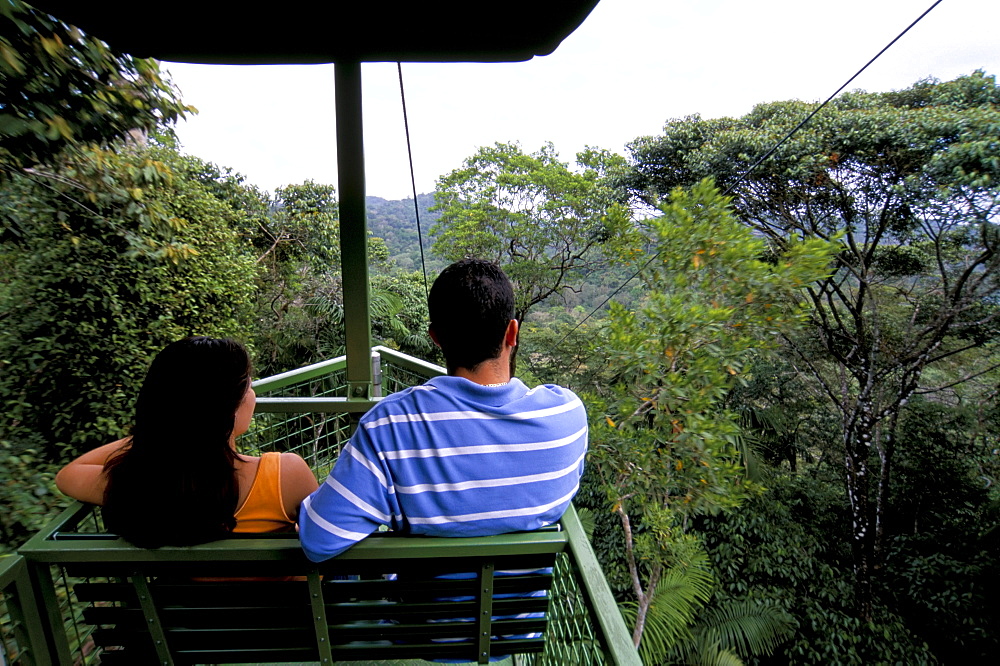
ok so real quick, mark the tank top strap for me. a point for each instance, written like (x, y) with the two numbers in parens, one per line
(264, 510)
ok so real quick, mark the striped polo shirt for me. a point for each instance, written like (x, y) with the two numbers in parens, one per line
(451, 458)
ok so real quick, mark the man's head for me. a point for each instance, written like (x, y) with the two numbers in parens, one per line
(471, 304)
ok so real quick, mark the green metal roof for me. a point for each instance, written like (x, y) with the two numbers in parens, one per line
(230, 32)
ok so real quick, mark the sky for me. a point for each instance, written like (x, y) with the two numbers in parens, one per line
(631, 66)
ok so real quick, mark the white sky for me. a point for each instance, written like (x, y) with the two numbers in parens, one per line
(632, 65)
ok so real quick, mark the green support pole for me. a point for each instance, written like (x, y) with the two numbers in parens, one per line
(353, 230)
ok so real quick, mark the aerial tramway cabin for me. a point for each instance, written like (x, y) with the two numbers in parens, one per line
(78, 595)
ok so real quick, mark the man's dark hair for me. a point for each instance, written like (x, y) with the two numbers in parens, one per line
(470, 304)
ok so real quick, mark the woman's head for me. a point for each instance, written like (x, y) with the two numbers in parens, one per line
(197, 383)
(175, 483)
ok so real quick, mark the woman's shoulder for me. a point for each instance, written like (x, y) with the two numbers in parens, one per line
(288, 458)
(297, 481)
(292, 464)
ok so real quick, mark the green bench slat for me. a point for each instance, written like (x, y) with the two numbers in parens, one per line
(304, 651)
(371, 570)
(298, 616)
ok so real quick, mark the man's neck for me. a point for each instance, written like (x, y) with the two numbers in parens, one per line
(494, 372)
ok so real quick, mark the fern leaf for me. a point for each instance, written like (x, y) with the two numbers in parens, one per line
(750, 627)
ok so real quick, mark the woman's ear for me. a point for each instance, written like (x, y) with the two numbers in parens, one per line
(244, 413)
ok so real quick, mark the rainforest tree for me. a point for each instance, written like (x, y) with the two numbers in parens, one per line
(907, 184)
(664, 446)
(548, 226)
(98, 280)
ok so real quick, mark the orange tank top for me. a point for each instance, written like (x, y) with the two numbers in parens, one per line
(263, 509)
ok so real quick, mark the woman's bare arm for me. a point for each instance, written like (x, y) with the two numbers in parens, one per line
(83, 478)
(297, 483)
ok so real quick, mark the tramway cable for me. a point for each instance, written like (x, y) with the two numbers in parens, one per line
(413, 179)
(760, 161)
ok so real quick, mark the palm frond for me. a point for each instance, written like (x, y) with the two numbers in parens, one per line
(660, 632)
(702, 651)
(684, 589)
(750, 627)
(712, 654)
(385, 304)
(747, 444)
(587, 520)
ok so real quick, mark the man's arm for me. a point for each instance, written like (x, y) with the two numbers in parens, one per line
(354, 501)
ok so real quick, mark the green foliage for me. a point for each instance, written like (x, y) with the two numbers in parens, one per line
(545, 224)
(944, 541)
(710, 304)
(663, 444)
(402, 323)
(679, 629)
(27, 494)
(789, 549)
(99, 281)
(685, 588)
(749, 627)
(302, 227)
(908, 185)
(61, 88)
(300, 303)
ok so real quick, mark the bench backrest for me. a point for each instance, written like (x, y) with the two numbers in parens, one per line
(461, 599)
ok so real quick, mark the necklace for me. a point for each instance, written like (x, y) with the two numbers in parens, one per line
(498, 383)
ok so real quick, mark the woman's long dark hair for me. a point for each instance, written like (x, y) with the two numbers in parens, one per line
(175, 481)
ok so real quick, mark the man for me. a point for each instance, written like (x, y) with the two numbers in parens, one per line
(469, 454)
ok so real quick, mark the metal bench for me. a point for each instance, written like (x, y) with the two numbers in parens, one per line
(162, 606)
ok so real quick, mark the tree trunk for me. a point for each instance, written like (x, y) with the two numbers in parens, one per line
(857, 443)
(886, 444)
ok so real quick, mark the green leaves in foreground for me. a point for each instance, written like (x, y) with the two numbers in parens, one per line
(715, 297)
(61, 88)
(684, 589)
(664, 444)
(679, 631)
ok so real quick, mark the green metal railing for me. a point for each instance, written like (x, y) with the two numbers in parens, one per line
(308, 411)
(22, 639)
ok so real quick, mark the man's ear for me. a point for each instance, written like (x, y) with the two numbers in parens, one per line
(434, 337)
(510, 335)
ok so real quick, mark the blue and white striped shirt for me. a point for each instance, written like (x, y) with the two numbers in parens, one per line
(451, 458)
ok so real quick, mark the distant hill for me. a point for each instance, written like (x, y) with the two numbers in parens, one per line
(396, 222)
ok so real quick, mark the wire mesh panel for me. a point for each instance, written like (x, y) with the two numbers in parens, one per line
(317, 437)
(329, 385)
(399, 371)
(571, 637)
(396, 377)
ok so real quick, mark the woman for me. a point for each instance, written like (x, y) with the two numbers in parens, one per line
(178, 479)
